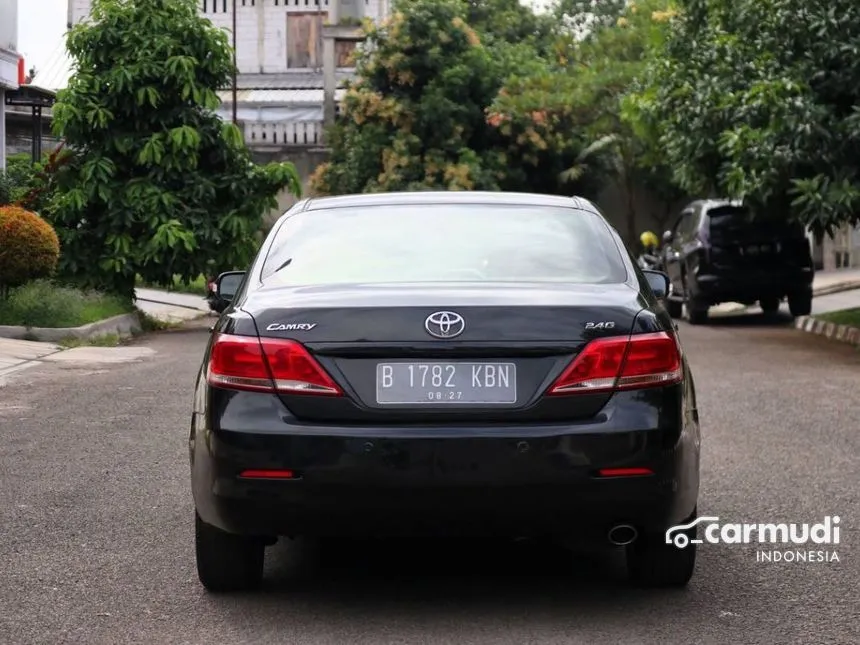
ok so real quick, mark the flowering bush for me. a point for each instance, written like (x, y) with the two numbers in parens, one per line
(29, 247)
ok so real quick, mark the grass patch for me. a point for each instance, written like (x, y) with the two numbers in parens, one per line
(849, 317)
(108, 340)
(43, 304)
(197, 287)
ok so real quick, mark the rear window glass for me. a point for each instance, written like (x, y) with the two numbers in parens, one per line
(737, 221)
(443, 243)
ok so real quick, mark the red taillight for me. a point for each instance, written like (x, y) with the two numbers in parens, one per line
(267, 474)
(624, 362)
(266, 365)
(625, 472)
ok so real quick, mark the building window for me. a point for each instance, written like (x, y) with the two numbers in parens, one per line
(304, 40)
(211, 6)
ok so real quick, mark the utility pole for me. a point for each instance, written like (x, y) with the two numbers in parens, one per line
(235, 69)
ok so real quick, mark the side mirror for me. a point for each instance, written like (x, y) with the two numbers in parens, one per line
(228, 283)
(667, 237)
(658, 281)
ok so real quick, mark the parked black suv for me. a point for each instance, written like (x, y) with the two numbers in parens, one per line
(716, 252)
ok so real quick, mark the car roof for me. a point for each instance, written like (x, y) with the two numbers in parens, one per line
(709, 204)
(448, 197)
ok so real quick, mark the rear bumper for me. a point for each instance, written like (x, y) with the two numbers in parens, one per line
(499, 480)
(740, 286)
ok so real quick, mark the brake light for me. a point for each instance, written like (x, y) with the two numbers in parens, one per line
(267, 365)
(625, 362)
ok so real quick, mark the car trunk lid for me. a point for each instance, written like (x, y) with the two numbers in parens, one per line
(377, 343)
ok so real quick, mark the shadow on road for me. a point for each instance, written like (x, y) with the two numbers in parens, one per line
(467, 576)
(751, 319)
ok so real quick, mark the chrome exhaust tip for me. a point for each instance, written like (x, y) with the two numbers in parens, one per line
(622, 534)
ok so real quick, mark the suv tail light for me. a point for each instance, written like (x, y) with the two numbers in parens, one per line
(266, 365)
(621, 363)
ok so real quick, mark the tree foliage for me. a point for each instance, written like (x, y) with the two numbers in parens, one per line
(760, 100)
(156, 184)
(419, 116)
(579, 100)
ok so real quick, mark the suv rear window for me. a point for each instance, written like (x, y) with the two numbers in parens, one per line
(443, 243)
(736, 222)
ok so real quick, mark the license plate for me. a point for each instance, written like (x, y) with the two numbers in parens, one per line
(448, 383)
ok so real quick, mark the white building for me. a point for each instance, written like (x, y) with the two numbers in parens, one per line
(280, 50)
(8, 64)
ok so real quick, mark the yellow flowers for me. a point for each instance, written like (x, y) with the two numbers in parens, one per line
(471, 36)
(458, 177)
(663, 16)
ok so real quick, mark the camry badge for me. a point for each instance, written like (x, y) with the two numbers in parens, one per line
(291, 326)
(445, 324)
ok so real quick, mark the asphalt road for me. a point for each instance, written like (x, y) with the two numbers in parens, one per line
(96, 523)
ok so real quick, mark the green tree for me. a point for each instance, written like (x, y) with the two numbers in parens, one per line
(420, 114)
(580, 101)
(156, 184)
(758, 100)
(415, 118)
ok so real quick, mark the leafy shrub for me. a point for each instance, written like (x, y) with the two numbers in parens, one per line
(29, 247)
(43, 304)
(20, 178)
(6, 188)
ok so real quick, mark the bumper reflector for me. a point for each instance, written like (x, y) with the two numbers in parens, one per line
(267, 474)
(625, 472)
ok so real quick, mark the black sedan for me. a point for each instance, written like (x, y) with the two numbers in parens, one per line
(457, 363)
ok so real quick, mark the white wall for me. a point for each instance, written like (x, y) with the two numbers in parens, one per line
(261, 32)
(8, 64)
(9, 24)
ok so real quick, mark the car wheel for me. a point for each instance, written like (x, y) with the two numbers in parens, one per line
(653, 563)
(769, 305)
(800, 304)
(697, 311)
(227, 562)
(675, 308)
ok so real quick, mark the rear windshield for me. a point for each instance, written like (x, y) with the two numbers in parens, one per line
(737, 222)
(443, 243)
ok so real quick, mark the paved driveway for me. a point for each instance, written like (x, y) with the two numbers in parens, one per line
(96, 537)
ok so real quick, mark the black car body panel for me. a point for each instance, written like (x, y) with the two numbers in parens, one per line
(530, 466)
(717, 253)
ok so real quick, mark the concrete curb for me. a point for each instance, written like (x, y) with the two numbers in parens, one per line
(173, 304)
(124, 325)
(839, 287)
(841, 333)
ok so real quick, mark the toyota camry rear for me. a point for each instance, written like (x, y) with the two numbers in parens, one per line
(443, 364)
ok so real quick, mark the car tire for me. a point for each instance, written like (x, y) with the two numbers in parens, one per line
(697, 314)
(697, 311)
(653, 563)
(227, 562)
(769, 305)
(800, 304)
(675, 308)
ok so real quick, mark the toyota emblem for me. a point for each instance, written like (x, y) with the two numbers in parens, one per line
(444, 324)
